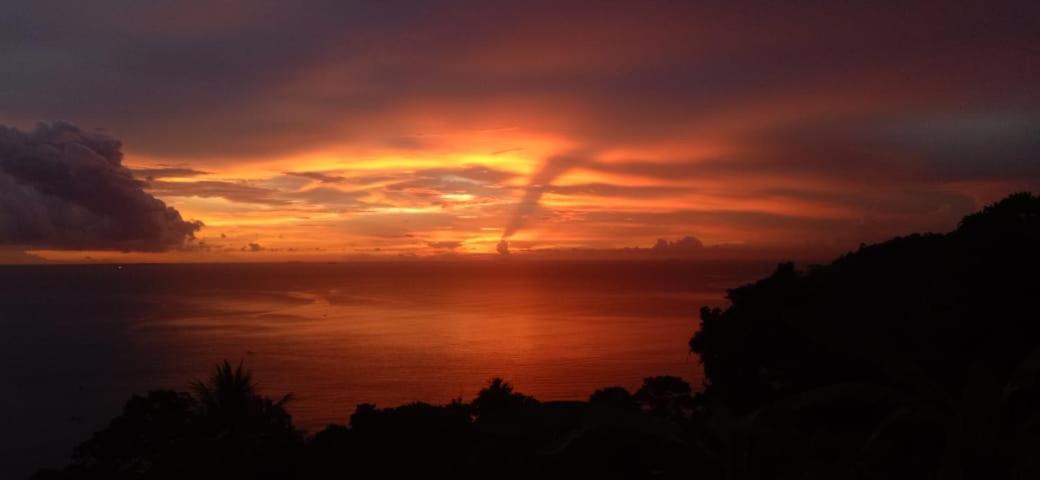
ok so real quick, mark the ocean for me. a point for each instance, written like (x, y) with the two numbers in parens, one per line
(78, 340)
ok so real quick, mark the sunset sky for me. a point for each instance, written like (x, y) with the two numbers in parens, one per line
(331, 130)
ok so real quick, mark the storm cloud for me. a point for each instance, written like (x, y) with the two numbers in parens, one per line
(65, 188)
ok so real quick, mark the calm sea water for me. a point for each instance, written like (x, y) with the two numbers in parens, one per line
(77, 341)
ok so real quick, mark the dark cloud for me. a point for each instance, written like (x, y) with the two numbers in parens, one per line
(686, 244)
(765, 221)
(237, 191)
(683, 170)
(866, 217)
(64, 188)
(322, 177)
(622, 191)
(166, 172)
(934, 204)
(331, 198)
(934, 148)
(445, 245)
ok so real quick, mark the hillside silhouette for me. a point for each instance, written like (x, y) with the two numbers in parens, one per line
(914, 358)
(924, 350)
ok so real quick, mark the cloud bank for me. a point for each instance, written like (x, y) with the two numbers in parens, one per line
(357, 126)
(686, 244)
(64, 188)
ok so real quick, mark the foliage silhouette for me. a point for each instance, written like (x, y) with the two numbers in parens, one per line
(229, 400)
(919, 352)
(499, 400)
(227, 431)
(614, 398)
(666, 396)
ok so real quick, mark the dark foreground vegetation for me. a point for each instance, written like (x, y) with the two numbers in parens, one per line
(916, 358)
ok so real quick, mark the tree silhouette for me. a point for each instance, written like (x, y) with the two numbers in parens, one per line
(227, 430)
(498, 398)
(229, 400)
(926, 342)
(666, 396)
(614, 397)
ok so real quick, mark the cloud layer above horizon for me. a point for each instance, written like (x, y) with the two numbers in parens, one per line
(415, 128)
(63, 188)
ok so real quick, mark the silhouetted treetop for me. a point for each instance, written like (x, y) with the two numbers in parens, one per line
(226, 430)
(614, 397)
(920, 310)
(499, 397)
(1014, 218)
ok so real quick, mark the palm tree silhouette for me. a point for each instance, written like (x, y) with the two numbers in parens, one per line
(230, 400)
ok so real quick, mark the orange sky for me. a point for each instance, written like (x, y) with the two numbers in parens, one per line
(353, 130)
